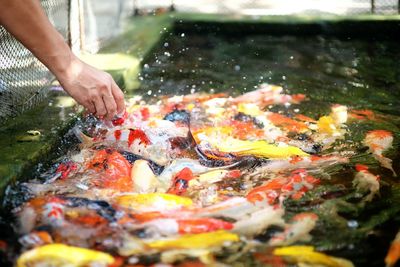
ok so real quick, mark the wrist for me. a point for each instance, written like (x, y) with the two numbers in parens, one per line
(65, 66)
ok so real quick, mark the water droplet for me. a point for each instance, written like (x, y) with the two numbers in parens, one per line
(149, 92)
(284, 77)
(291, 57)
(146, 66)
(352, 223)
(237, 67)
(182, 35)
(167, 54)
(166, 44)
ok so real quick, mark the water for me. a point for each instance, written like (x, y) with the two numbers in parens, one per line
(360, 74)
(357, 73)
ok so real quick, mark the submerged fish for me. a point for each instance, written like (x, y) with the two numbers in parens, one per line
(393, 255)
(153, 202)
(298, 230)
(365, 181)
(307, 254)
(203, 240)
(258, 149)
(378, 142)
(62, 255)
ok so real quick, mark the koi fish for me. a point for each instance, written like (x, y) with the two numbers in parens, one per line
(195, 241)
(366, 181)
(393, 254)
(153, 202)
(287, 124)
(193, 165)
(269, 94)
(181, 182)
(295, 186)
(256, 222)
(143, 177)
(307, 254)
(63, 255)
(378, 141)
(174, 226)
(114, 170)
(257, 148)
(36, 238)
(311, 162)
(299, 229)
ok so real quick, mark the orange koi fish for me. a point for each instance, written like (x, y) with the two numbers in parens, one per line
(378, 142)
(393, 254)
(287, 123)
(114, 170)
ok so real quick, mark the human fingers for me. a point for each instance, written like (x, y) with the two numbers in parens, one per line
(118, 97)
(99, 106)
(110, 105)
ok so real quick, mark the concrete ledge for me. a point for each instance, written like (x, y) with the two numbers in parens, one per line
(33, 137)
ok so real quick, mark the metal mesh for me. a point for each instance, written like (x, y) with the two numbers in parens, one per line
(24, 80)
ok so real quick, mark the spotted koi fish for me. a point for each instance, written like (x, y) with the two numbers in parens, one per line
(364, 181)
(379, 141)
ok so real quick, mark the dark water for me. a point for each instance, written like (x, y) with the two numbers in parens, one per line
(360, 74)
(357, 73)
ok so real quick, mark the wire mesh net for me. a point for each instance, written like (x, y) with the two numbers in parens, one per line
(24, 80)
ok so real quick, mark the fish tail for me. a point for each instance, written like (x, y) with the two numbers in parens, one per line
(387, 163)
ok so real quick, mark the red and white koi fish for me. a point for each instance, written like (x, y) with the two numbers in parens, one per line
(295, 186)
(174, 226)
(366, 181)
(299, 229)
(378, 142)
(269, 94)
(393, 254)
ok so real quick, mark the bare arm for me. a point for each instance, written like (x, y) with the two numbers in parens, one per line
(90, 87)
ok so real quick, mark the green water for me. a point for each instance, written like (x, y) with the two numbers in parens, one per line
(360, 74)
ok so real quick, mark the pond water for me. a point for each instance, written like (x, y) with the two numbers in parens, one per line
(340, 217)
(361, 74)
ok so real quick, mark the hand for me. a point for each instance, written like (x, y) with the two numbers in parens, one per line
(92, 88)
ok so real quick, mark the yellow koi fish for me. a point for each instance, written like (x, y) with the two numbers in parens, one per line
(153, 202)
(258, 149)
(306, 254)
(62, 256)
(195, 241)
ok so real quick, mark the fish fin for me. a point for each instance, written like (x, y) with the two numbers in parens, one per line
(387, 163)
(86, 141)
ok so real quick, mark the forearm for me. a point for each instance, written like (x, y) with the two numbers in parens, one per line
(26, 20)
(90, 87)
